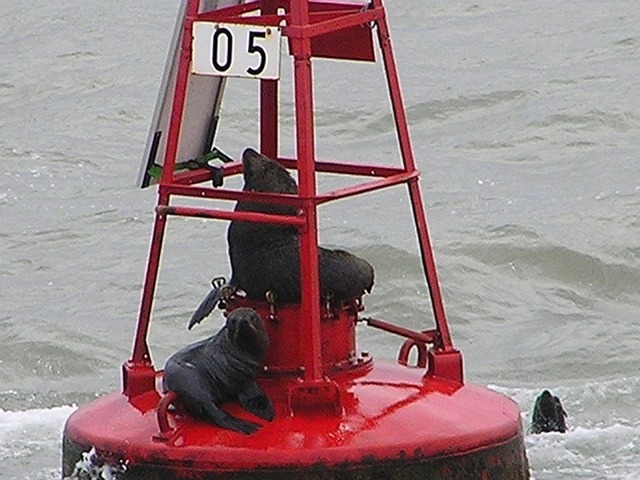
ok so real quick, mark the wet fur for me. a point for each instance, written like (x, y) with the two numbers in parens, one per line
(548, 414)
(266, 257)
(223, 368)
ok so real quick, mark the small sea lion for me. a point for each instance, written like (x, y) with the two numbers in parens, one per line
(266, 257)
(223, 368)
(548, 414)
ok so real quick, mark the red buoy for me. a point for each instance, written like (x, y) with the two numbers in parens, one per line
(338, 413)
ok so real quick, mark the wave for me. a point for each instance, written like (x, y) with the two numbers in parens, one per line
(17, 421)
(597, 441)
(591, 120)
(586, 453)
(30, 441)
(528, 255)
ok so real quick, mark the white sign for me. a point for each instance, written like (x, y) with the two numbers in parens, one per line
(228, 49)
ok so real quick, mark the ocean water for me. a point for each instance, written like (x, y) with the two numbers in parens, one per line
(525, 120)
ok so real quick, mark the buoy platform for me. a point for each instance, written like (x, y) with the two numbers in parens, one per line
(339, 413)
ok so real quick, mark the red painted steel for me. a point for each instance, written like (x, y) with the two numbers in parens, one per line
(224, 194)
(305, 149)
(427, 336)
(405, 351)
(140, 353)
(337, 331)
(300, 30)
(227, 215)
(190, 177)
(404, 139)
(269, 131)
(337, 30)
(388, 413)
(335, 408)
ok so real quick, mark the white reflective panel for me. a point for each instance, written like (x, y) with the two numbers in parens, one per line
(227, 49)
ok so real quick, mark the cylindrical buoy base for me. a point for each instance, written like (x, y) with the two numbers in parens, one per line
(502, 462)
(393, 423)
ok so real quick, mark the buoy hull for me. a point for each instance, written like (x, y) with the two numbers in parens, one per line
(502, 462)
(394, 423)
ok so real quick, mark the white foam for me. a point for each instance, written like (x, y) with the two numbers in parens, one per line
(12, 421)
(25, 431)
(614, 448)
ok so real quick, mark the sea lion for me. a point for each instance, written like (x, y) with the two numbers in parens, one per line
(265, 257)
(222, 368)
(548, 414)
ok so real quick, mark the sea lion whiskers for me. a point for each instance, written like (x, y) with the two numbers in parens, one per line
(250, 336)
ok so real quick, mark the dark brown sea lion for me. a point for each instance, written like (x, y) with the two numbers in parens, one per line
(548, 414)
(265, 257)
(223, 368)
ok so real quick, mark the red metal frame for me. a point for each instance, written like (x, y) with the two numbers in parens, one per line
(305, 21)
(337, 413)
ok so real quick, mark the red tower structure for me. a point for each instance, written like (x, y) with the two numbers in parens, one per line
(339, 414)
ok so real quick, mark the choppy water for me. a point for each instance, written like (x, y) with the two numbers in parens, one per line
(525, 120)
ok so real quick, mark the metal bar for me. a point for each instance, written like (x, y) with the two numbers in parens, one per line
(429, 264)
(177, 109)
(285, 199)
(268, 102)
(310, 338)
(397, 177)
(230, 215)
(224, 194)
(428, 260)
(428, 336)
(395, 92)
(346, 168)
(260, 20)
(189, 177)
(215, 117)
(333, 25)
(366, 187)
(336, 20)
(269, 118)
(228, 12)
(140, 352)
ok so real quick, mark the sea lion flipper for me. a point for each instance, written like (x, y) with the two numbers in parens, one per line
(224, 420)
(343, 275)
(187, 382)
(254, 400)
(561, 415)
(206, 306)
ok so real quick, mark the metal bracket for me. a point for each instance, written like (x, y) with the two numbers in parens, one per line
(162, 413)
(405, 349)
(313, 397)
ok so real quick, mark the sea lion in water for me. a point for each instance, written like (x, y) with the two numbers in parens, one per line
(222, 368)
(548, 414)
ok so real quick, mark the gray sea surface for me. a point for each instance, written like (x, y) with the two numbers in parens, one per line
(525, 122)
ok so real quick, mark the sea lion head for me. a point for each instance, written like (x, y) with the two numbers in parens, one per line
(246, 330)
(547, 404)
(261, 174)
(548, 414)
